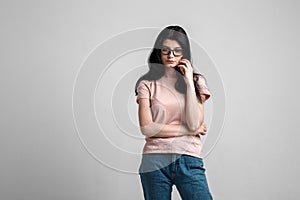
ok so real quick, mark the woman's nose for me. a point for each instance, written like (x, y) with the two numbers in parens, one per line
(171, 54)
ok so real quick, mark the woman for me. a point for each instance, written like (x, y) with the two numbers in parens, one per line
(171, 99)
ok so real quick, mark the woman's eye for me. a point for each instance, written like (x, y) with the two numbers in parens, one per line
(178, 51)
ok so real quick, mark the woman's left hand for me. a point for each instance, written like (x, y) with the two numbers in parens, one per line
(203, 129)
(186, 69)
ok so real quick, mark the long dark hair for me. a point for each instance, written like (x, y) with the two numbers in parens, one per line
(157, 69)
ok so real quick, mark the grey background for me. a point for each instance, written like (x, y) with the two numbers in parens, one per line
(43, 44)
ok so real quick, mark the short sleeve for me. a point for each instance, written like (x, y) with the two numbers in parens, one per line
(201, 86)
(143, 90)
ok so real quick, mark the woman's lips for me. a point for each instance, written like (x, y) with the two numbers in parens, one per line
(170, 61)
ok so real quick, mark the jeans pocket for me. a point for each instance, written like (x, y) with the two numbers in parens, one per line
(194, 163)
(196, 166)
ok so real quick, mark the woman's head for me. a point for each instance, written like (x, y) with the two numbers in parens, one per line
(171, 53)
(170, 34)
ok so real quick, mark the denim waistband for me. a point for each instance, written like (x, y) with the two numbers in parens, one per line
(155, 161)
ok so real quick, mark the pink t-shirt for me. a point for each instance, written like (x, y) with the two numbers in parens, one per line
(167, 107)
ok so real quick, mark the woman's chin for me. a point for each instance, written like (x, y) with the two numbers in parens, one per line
(171, 65)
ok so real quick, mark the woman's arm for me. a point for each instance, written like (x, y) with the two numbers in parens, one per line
(194, 109)
(153, 129)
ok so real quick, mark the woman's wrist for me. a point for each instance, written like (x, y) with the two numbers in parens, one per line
(190, 84)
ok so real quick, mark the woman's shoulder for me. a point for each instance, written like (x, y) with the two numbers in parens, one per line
(201, 85)
(144, 89)
(145, 82)
(199, 77)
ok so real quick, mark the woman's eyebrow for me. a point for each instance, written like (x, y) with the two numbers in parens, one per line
(170, 47)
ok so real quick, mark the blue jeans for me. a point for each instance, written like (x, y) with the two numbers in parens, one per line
(158, 173)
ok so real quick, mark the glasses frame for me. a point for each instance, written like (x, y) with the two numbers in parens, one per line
(169, 50)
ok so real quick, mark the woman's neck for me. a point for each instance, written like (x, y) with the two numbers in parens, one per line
(170, 73)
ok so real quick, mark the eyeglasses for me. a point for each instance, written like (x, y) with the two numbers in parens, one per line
(176, 52)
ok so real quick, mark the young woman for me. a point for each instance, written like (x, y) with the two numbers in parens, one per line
(171, 110)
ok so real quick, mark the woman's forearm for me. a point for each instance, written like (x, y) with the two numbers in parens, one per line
(194, 110)
(166, 130)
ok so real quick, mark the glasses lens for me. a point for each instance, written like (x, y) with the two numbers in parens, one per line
(165, 50)
(176, 52)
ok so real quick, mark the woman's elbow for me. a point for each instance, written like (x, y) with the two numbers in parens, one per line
(146, 131)
(194, 126)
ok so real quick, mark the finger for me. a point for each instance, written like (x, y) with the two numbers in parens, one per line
(186, 62)
(202, 130)
(182, 68)
(182, 64)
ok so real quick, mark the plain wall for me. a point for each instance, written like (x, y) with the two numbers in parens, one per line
(255, 49)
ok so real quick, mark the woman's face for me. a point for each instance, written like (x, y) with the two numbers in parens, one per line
(171, 53)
